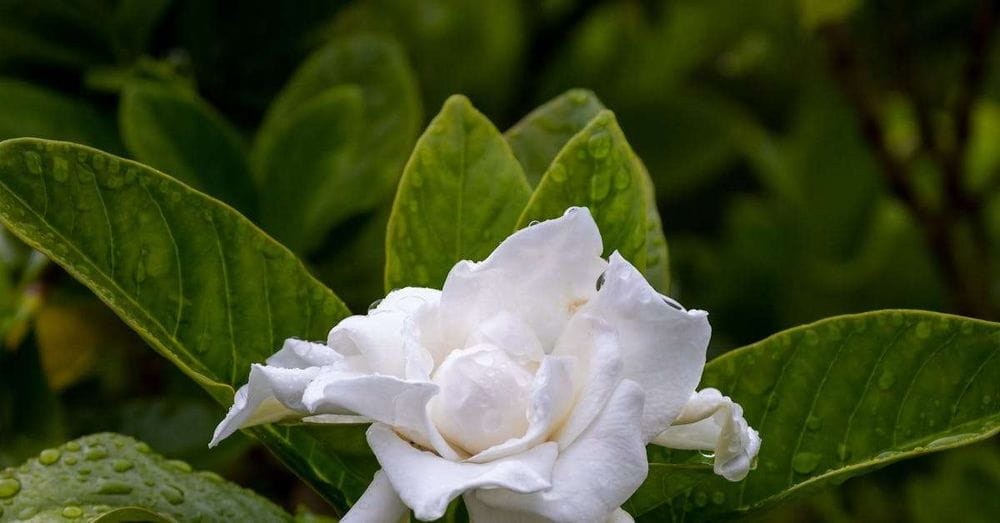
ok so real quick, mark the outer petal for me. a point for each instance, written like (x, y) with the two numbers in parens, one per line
(374, 343)
(711, 421)
(596, 373)
(663, 347)
(551, 400)
(271, 394)
(379, 504)
(480, 512)
(300, 354)
(386, 399)
(595, 475)
(542, 273)
(427, 483)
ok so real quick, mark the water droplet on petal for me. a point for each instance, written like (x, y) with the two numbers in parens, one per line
(374, 305)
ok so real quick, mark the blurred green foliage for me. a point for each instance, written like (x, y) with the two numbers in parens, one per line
(810, 158)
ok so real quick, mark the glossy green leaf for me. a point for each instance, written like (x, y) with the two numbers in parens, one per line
(460, 196)
(657, 255)
(206, 288)
(112, 477)
(540, 135)
(302, 157)
(29, 110)
(175, 131)
(835, 399)
(597, 169)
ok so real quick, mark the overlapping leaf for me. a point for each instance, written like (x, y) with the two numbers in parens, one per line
(835, 399)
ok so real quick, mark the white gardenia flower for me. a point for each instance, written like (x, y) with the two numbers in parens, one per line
(520, 386)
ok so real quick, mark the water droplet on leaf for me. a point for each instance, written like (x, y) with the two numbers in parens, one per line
(9, 487)
(49, 456)
(72, 512)
(805, 462)
(599, 145)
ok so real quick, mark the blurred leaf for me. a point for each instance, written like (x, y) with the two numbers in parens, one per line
(460, 196)
(305, 165)
(539, 136)
(835, 399)
(962, 486)
(32, 111)
(175, 131)
(815, 13)
(201, 284)
(355, 266)
(457, 46)
(71, 35)
(30, 414)
(134, 22)
(97, 474)
(597, 169)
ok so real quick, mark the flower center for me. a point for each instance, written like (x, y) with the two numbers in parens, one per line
(483, 399)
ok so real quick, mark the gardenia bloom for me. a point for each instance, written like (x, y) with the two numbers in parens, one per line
(521, 386)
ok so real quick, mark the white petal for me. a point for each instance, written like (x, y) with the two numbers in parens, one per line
(271, 394)
(387, 399)
(620, 516)
(375, 341)
(595, 475)
(663, 348)
(510, 333)
(551, 400)
(427, 483)
(300, 354)
(379, 504)
(711, 421)
(597, 371)
(542, 273)
(480, 512)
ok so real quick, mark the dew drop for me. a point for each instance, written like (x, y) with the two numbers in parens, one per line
(707, 454)
(95, 453)
(923, 330)
(142, 447)
(600, 186)
(122, 465)
(374, 305)
(60, 169)
(533, 223)
(805, 462)
(843, 452)
(9, 487)
(558, 172)
(211, 476)
(718, 497)
(492, 419)
(172, 494)
(578, 97)
(599, 145)
(814, 423)
(70, 460)
(701, 499)
(811, 337)
(72, 446)
(886, 380)
(72, 512)
(49, 456)
(27, 513)
(622, 179)
(179, 465)
(33, 162)
(114, 488)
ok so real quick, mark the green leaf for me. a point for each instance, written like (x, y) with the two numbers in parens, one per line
(460, 196)
(175, 131)
(206, 288)
(835, 399)
(657, 255)
(116, 478)
(29, 110)
(597, 169)
(30, 413)
(304, 163)
(383, 128)
(540, 135)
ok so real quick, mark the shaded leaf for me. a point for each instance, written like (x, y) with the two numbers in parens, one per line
(835, 399)
(175, 131)
(116, 478)
(597, 169)
(201, 284)
(460, 196)
(304, 165)
(33, 111)
(30, 414)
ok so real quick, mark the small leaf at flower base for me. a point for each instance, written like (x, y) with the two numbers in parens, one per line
(461, 194)
(201, 284)
(835, 399)
(540, 135)
(110, 477)
(175, 131)
(305, 165)
(597, 169)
